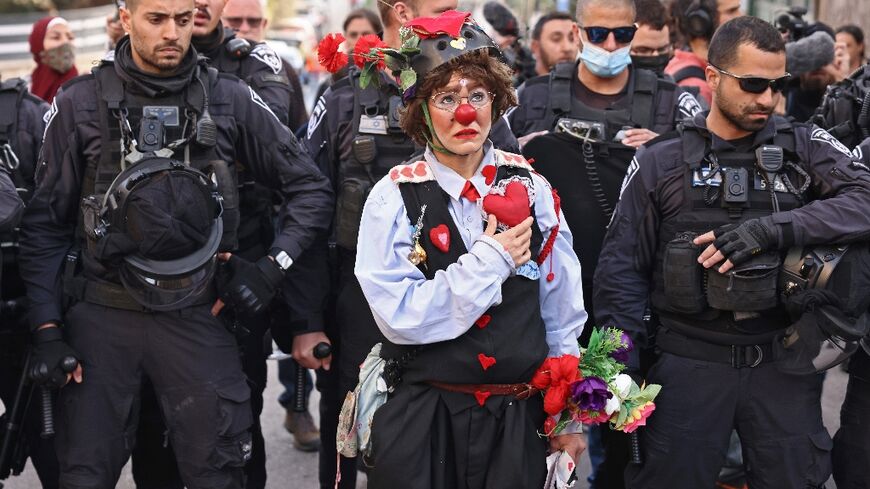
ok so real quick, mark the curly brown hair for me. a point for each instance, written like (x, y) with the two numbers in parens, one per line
(477, 65)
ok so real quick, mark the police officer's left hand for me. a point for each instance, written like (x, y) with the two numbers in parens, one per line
(253, 285)
(736, 244)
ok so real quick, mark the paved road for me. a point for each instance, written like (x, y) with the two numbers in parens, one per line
(289, 468)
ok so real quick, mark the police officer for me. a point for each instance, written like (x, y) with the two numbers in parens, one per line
(598, 110)
(259, 66)
(21, 127)
(127, 176)
(354, 136)
(726, 193)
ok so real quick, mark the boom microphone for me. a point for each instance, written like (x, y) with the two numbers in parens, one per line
(809, 54)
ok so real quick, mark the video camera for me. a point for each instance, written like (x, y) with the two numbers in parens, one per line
(792, 23)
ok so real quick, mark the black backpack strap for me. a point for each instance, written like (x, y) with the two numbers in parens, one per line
(694, 145)
(99, 175)
(560, 90)
(689, 72)
(11, 93)
(643, 98)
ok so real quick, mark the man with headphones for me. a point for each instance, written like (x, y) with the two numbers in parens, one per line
(696, 21)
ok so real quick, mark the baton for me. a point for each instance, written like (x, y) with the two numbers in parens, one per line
(67, 365)
(322, 350)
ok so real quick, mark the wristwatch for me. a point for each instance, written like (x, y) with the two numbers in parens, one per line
(281, 258)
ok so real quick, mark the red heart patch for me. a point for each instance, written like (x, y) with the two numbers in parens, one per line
(485, 361)
(482, 321)
(420, 169)
(394, 174)
(482, 396)
(407, 172)
(440, 237)
(512, 207)
(489, 173)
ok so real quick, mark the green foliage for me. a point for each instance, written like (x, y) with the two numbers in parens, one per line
(596, 360)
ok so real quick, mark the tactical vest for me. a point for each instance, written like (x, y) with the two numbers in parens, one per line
(845, 108)
(12, 92)
(703, 303)
(598, 129)
(374, 145)
(512, 333)
(121, 114)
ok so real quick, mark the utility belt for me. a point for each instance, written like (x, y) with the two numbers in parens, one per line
(689, 288)
(738, 356)
(78, 288)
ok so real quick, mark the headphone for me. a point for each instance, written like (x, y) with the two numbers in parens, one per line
(698, 21)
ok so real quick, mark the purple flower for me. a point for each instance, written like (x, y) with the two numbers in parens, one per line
(621, 354)
(409, 93)
(590, 394)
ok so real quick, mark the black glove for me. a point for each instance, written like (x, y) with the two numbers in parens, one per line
(253, 285)
(740, 242)
(52, 358)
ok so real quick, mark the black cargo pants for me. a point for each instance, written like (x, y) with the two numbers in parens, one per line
(777, 416)
(193, 363)
(851, 450)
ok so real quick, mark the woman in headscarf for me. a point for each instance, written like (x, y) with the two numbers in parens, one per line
(468, 268)
(51, 43)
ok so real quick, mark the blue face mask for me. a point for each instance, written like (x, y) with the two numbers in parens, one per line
(603, 63)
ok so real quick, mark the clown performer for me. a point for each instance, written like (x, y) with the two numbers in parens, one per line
(468, 268)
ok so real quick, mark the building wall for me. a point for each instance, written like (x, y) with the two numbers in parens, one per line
(838, 12)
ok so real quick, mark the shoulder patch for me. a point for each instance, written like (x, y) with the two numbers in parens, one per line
(503, 158)
(266, 55)
(688, 105)
(824, 136)
(49, 116)
(629, 173)
(412, 173)
(316, 116)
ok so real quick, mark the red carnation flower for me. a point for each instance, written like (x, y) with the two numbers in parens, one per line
(449, 23)
(328, 54)
(362, 51)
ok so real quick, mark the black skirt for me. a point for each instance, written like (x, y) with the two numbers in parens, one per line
(427, 438)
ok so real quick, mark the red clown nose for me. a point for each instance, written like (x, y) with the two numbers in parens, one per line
(465, 114)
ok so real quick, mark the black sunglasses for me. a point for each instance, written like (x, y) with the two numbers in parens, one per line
(757, 84)
(623, 35)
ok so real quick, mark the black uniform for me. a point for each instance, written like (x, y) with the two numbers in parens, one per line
(354, 137)
(589, 187)
(191, 357)
(266, 73)
(716, 368)
(22, 124)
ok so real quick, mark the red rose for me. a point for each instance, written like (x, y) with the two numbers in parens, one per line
(542, 378)
(449, 23)
(328, 54)
(362, 51)
(556, 399)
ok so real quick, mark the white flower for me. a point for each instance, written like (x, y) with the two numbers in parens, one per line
(623, 385)
(612, 405)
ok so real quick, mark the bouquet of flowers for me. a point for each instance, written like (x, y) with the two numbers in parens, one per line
(592, 389)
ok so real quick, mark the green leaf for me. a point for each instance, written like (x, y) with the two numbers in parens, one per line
(367, 74)
(408, 79)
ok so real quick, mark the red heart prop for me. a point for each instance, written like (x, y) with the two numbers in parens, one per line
(489, 172)
(485, 361)
(407, 172)
(420, 169)
(482, 321)
(482, 396)
(511, 208)
(440, 237)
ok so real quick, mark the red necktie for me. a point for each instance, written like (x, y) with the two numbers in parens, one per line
(469, 192)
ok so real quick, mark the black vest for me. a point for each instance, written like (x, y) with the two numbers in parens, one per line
(703, 208)
(176, 112)
(512, 333)
(368, 148)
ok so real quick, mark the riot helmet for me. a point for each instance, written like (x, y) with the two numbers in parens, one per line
(824, 288)
(160, 222)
